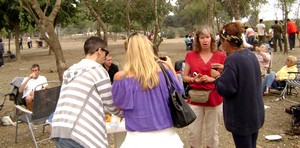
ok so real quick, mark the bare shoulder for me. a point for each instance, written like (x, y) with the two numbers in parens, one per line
(120, 75)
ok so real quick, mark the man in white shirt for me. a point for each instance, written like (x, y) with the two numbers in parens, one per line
(261, 32)
(29, 85)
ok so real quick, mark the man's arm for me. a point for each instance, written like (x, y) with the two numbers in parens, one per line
(24, 84)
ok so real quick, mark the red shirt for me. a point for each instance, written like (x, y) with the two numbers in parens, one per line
(291, 27)
(198, 65)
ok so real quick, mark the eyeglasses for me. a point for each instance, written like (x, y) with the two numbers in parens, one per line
(104, 50)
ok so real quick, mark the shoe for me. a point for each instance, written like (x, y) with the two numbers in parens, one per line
(287, 110)
(266, 93)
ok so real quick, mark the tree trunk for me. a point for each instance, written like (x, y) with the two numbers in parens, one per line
(17, 36)
(128, 18)
(97, 17)
(45, 24)
(155, 45)
(235, 4)
(285, 16)
(237, 10)
(55, 46)
(9, 39)
(210, 14)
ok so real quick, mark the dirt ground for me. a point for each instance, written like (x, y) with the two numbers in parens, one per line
(277, 122)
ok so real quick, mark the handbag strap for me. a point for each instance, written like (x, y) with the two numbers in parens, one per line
(167, 77)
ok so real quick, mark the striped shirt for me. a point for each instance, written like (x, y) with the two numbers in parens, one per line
(79, 115)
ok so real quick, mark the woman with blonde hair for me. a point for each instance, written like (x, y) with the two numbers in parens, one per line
(140, 90)
(274, 80)
(198, 64)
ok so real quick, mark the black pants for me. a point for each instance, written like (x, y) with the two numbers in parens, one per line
(29, 44)
(1, 58)
(248, 141)
(292, 38)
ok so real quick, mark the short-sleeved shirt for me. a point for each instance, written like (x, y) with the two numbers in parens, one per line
(32, 83)
(144, 110)
(199, 66)
(261, 29)
(250, 32)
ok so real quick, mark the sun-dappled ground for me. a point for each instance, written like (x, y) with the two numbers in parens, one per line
(277, 122)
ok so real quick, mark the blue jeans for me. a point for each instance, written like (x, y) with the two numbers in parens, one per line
(66, 143)
(250, 40)
(248, 141)
(268, 80)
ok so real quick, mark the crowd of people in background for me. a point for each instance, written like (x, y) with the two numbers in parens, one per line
(218, 65)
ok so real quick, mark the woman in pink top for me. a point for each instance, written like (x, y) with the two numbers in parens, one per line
(250, 35)
(264, 58)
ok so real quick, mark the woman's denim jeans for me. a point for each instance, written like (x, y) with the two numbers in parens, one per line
(66, 143)
(268, 80)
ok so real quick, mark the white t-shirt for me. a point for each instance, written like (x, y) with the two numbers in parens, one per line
(260, 29)
(32, 83)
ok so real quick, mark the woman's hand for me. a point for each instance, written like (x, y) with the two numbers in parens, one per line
(167, 62)
(204, 79)
(214, 73)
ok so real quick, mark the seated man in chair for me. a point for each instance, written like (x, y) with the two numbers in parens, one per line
(29, 84)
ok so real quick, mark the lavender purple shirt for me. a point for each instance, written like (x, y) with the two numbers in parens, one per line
(144, 110)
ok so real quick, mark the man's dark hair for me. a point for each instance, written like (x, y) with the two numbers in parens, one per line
(35, 65)
(261, 20)
(276, 21)
(92, 44)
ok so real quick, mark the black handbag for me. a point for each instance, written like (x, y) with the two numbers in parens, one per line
(182, 114)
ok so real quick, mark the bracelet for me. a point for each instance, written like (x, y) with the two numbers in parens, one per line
(218, 76)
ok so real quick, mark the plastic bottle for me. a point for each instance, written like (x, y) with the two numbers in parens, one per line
(114, 124)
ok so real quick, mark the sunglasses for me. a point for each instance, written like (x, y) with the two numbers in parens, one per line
(104, 50)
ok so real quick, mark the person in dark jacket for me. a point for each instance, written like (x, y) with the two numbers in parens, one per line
(1, 53)
(239, 84)
(110, 67)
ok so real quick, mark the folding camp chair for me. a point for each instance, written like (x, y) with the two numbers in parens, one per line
(14, 95)
(291, 84)
(44, 104)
